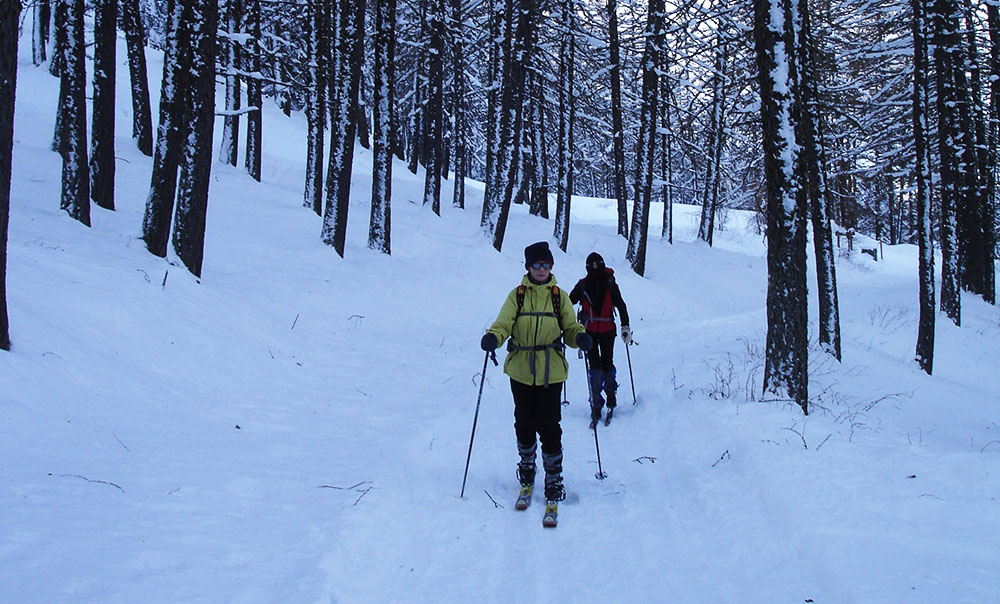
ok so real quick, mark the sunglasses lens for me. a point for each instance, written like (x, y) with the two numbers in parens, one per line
(541, 265)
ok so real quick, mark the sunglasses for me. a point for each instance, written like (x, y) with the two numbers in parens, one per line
(541, 265)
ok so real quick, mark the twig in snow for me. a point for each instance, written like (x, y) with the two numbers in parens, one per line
(120, 442)
(145, 275)
(638, 460)
(295, 321)
(88, 480)
(992, 442)
(725, 455)
(804, 445)
(351, 488)
(495, 504)
(824, 441)
(165, 274)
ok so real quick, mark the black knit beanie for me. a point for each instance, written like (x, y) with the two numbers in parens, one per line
(537, 252)
(594, 257)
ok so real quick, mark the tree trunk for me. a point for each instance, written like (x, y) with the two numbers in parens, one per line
(40, 31)
(945, 43)
(232, 60)
(73, 84)
(9, 11)
(350, 23)
(135, 39)
(786, 361)
(814, 178)
(522, 18)
(170, 132)
(384, 49)
(646, 145)
(255, 100)
(435, 106)
(458, 102)
(617, 128)
(102, 150)
(316, 105)
(567, 113)
(196, 166)
(925, 330)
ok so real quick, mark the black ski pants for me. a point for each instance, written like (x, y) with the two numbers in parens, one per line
(537, 410)
(602, 355)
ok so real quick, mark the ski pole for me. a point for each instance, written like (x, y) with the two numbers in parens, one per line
(631, 381)
(600, 472)
(482, 381)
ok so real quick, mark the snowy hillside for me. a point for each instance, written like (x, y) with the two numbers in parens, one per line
(294, 427)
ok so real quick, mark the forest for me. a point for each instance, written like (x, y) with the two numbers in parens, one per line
(828, 118)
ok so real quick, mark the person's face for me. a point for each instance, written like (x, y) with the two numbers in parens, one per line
(540, 270)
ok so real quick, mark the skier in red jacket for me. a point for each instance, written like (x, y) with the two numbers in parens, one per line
(600, 297)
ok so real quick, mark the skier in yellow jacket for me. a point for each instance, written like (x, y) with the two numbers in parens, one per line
(538, 318)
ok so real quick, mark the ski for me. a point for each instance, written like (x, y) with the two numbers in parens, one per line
(524, 498)
(551, 514)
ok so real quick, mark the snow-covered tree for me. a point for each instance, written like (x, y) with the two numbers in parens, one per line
(786, 361)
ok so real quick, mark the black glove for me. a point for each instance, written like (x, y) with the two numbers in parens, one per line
(584, 342)
(489, 342)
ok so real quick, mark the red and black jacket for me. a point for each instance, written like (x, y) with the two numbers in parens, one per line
(600, 296)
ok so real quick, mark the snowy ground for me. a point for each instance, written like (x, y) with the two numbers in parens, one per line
(294, 427)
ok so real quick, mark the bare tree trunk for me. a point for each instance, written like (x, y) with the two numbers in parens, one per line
(316, 104)
(102, 150)
(925, 330)
(814, 177)
(945, 43)
(232, 60)
(73, 110)
(170, 132)
(384, 48)
(255, 100)
(135, 39)
(196, 165)
(350, 24)
(786, 361)
(9, 11)
(40, 31)
(617, 128)
(458, 102)
(434, 113)
(567, 112)
(646, 147)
